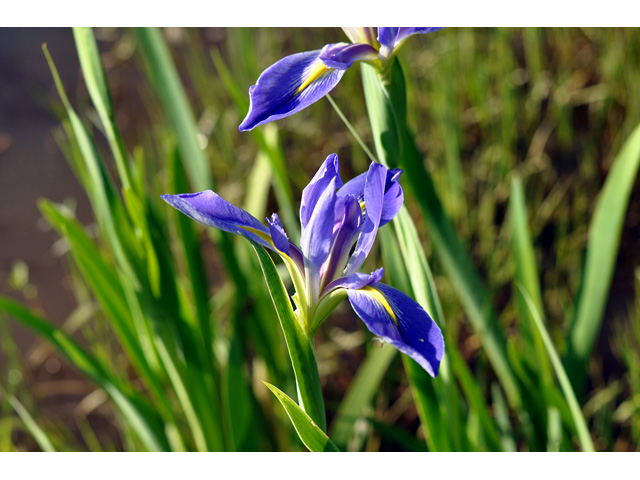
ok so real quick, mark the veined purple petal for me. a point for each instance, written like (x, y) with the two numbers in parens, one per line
(342, 55)
(400, 321)
(393, 195)
(328, 171)
(347, 223)
(355, 281)
(373, 199)
(288, 86)
(392, 36)
(212, 210)
(317, 235)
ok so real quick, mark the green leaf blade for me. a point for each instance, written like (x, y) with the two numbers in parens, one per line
(311, 434)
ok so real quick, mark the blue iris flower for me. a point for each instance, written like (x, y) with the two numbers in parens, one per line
(298, 80)
(339, 225)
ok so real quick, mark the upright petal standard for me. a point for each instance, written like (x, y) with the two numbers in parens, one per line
(339, 225)
(298, 80)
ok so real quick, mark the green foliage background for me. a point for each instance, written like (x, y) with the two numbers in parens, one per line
(518, 129)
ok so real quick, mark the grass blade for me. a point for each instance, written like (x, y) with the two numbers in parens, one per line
(605, 231)
(299, 343)
(454, 256)
(96, 81)
(138, 413)
(565, 384)
(41, 438)
(164, 77)
(527, 276)
(362, 390)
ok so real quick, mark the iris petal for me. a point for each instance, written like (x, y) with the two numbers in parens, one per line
(347, 223)
(317, 236)
(355, 281)
(393, 195)
(278, 235)
(390, 37)
(288, 86)
(212, 210)
(343, 55)
(373, 200)
(328, 171)
(400, 321)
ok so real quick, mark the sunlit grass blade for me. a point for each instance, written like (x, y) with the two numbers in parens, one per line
(96, 81)
(576, 412)
(106, 205)
(136, 410)
(311, 434)
(360, 394)
(299, 343)
(605, 231)
(106, 286)
(527, 276)
(450, 249)
(165, 79)
(39, 435)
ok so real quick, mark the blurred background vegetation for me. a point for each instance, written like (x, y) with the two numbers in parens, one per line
(548, 109)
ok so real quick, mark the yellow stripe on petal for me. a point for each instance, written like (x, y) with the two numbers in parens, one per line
(317, 71)
(264, 236)
(381, 299)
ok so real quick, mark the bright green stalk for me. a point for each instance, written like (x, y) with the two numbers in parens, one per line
(605, 232)
(576, 412)
(386, 104)
(299, 342)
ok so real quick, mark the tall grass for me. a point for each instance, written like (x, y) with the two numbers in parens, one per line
(519, 174)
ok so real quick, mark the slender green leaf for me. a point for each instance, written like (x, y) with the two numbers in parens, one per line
(311, 434)
(104, 201)
(362, 390)
(452, 253)
(137, 411)
(299, 342)
(96, 81)
(570, 396)
(40, 436)
(527, 276)
(605, 231)
(164, 77)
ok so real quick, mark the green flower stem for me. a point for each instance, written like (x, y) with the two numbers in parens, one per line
(299, 340)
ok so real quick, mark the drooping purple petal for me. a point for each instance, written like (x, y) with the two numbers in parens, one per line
(355, 281)
(393, 195)
(400, 321)
(392, 36)
(373, 200)
(288, 86)
(328, 171)
(212, 210)
(343, 55)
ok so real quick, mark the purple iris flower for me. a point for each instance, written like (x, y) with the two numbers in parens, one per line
(297, 81)
(339, 225)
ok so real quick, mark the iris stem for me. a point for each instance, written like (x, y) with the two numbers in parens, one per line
(344, 119)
